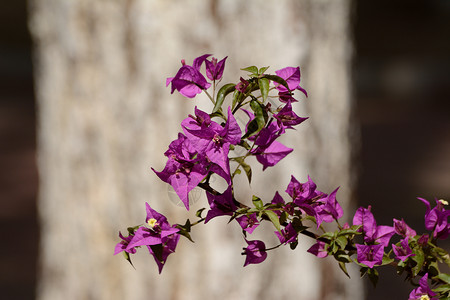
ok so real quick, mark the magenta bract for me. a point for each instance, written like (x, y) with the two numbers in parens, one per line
(370, 255)
(423, 290)
(189, 81)
(255, 252)
(214, 69)
(403, 251)
(292, 77)
(220, 205)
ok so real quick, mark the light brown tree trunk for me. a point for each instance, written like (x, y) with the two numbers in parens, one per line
(105, 117)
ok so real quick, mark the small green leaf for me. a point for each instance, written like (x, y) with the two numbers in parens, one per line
(445, 288)
(260, 113)
(419, 258)
(293, 245)
(252, 129)
(185, 229)
(349, 231)
(334, 248)
(257, 202)
(328, 235)
(132, 230)
(252, 69)
(283, 217)
(258, 122)
(277, 79)
(187, 225)
(363, 270)
(342, 256)
(262, 70)
(433, 268)
(221, 94)
(264, 87)
(128, 258)
(445, 278)
(386, 260)
(199, 212)
(343, 268)
(274, 219)
(341, 241)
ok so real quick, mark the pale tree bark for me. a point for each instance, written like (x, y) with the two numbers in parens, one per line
(105, 117)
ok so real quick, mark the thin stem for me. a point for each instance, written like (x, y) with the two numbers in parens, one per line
(274, 247)
(214, 90)
(208, 188)
(198, 222)
(210, 98)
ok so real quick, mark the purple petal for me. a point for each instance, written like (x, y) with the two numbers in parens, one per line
(383, 234)
(364, 217)
(199, 60)
(318, 249)
(271, 155)
(255, 252)
(144, 236)
(292, 77)
(370, 255)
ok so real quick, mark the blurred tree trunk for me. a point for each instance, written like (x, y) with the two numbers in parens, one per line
(105, 117)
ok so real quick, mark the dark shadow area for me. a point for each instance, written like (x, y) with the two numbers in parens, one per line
(402, 84)
(18, 179)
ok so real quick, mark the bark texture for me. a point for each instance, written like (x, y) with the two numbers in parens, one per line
(105, 117)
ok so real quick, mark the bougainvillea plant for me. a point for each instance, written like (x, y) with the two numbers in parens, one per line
(202, 149)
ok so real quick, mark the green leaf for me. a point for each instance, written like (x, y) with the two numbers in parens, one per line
(132, 230)
(274, 219)
(293, 245)
(334, 248)
(433, 268)
(258, 122)
(185, 229)
(283, 217)
(363, 270)
(262, 70)
(128, 258)
(328, 235)
(199, 212)
(386, 260)
(341, 241)
(419, 258)
(349, 231)
(221, 94)
(445, 288)
(257, 202)
(343, 268)
(260, 113)
(264, 87)
(277, 79)
(445, 278)
(252, 69)
(342, 256)
(252, 129)
(244, 144)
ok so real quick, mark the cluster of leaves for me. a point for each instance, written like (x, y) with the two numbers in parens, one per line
(203, 150)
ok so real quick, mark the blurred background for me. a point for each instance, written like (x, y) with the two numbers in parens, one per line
(401, 86)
